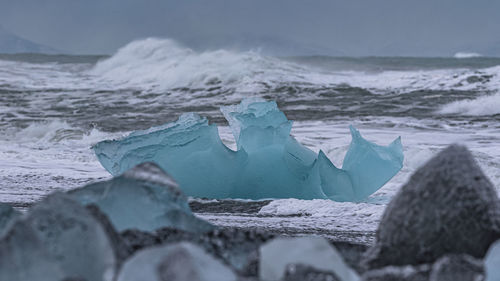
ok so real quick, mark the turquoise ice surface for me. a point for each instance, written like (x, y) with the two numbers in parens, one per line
(268, 162)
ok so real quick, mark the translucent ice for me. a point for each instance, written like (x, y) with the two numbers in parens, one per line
(182, 262)
(268, 163)
(143, 198)
(57, 239)
(7, 216)
(310, 251)
(492, 262)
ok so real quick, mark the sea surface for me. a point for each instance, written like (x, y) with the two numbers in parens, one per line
(54, 108)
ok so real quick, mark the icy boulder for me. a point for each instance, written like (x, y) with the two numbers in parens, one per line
(447, 206)
(58, 239)
(143, 198)
(492, 263)
(268, 163)
(315, 252)
(177, 262)
(7, 216)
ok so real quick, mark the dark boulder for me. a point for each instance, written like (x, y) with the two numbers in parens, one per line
(448, 206)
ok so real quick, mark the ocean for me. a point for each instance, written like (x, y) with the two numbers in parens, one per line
(53, 108)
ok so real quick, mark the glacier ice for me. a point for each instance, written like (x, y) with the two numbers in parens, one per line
(57, 239)
(492, 262)
(182, 262)
(268, 162)
(310, 251)
(143, 198)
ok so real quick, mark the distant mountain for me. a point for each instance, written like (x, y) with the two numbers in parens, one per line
(12, 44)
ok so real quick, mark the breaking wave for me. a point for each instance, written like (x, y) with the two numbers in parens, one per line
(466, 55)
(482, 106)
(163, 64)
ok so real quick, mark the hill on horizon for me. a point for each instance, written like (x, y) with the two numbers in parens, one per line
(12, 44)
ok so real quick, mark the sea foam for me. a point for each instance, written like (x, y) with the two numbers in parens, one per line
(481, 106)
(164, 64)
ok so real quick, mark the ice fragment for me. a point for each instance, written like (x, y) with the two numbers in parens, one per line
(268, 163)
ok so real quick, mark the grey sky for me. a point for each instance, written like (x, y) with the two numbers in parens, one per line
(337, 27)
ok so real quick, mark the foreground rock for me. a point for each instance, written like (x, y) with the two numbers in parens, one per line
(176, 262)
(143, 198)
(315, 252)
(58, 239)
(238, 248)
(448, 206)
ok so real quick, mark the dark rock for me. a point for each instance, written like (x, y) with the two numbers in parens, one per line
(172, 235)
(238, 248)
(228, 206)
(447, 206)
(298, 272)
(398, 273)
(457, 268)
(136, 239)
(352, 253)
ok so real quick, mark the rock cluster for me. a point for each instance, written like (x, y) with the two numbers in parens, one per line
(439, 227)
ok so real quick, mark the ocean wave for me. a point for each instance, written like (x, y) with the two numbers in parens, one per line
(482, 106)
(163, 64)
(47, 134)
(466, 55)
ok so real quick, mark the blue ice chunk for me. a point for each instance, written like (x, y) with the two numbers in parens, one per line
(7, 216)
(268, 162)
(254, 112)
(57, 239)
(143, 198)
(369, 165)
(492, 262)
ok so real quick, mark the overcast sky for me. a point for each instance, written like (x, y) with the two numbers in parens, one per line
(338, 27)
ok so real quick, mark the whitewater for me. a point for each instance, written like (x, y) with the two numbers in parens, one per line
(54, 108)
